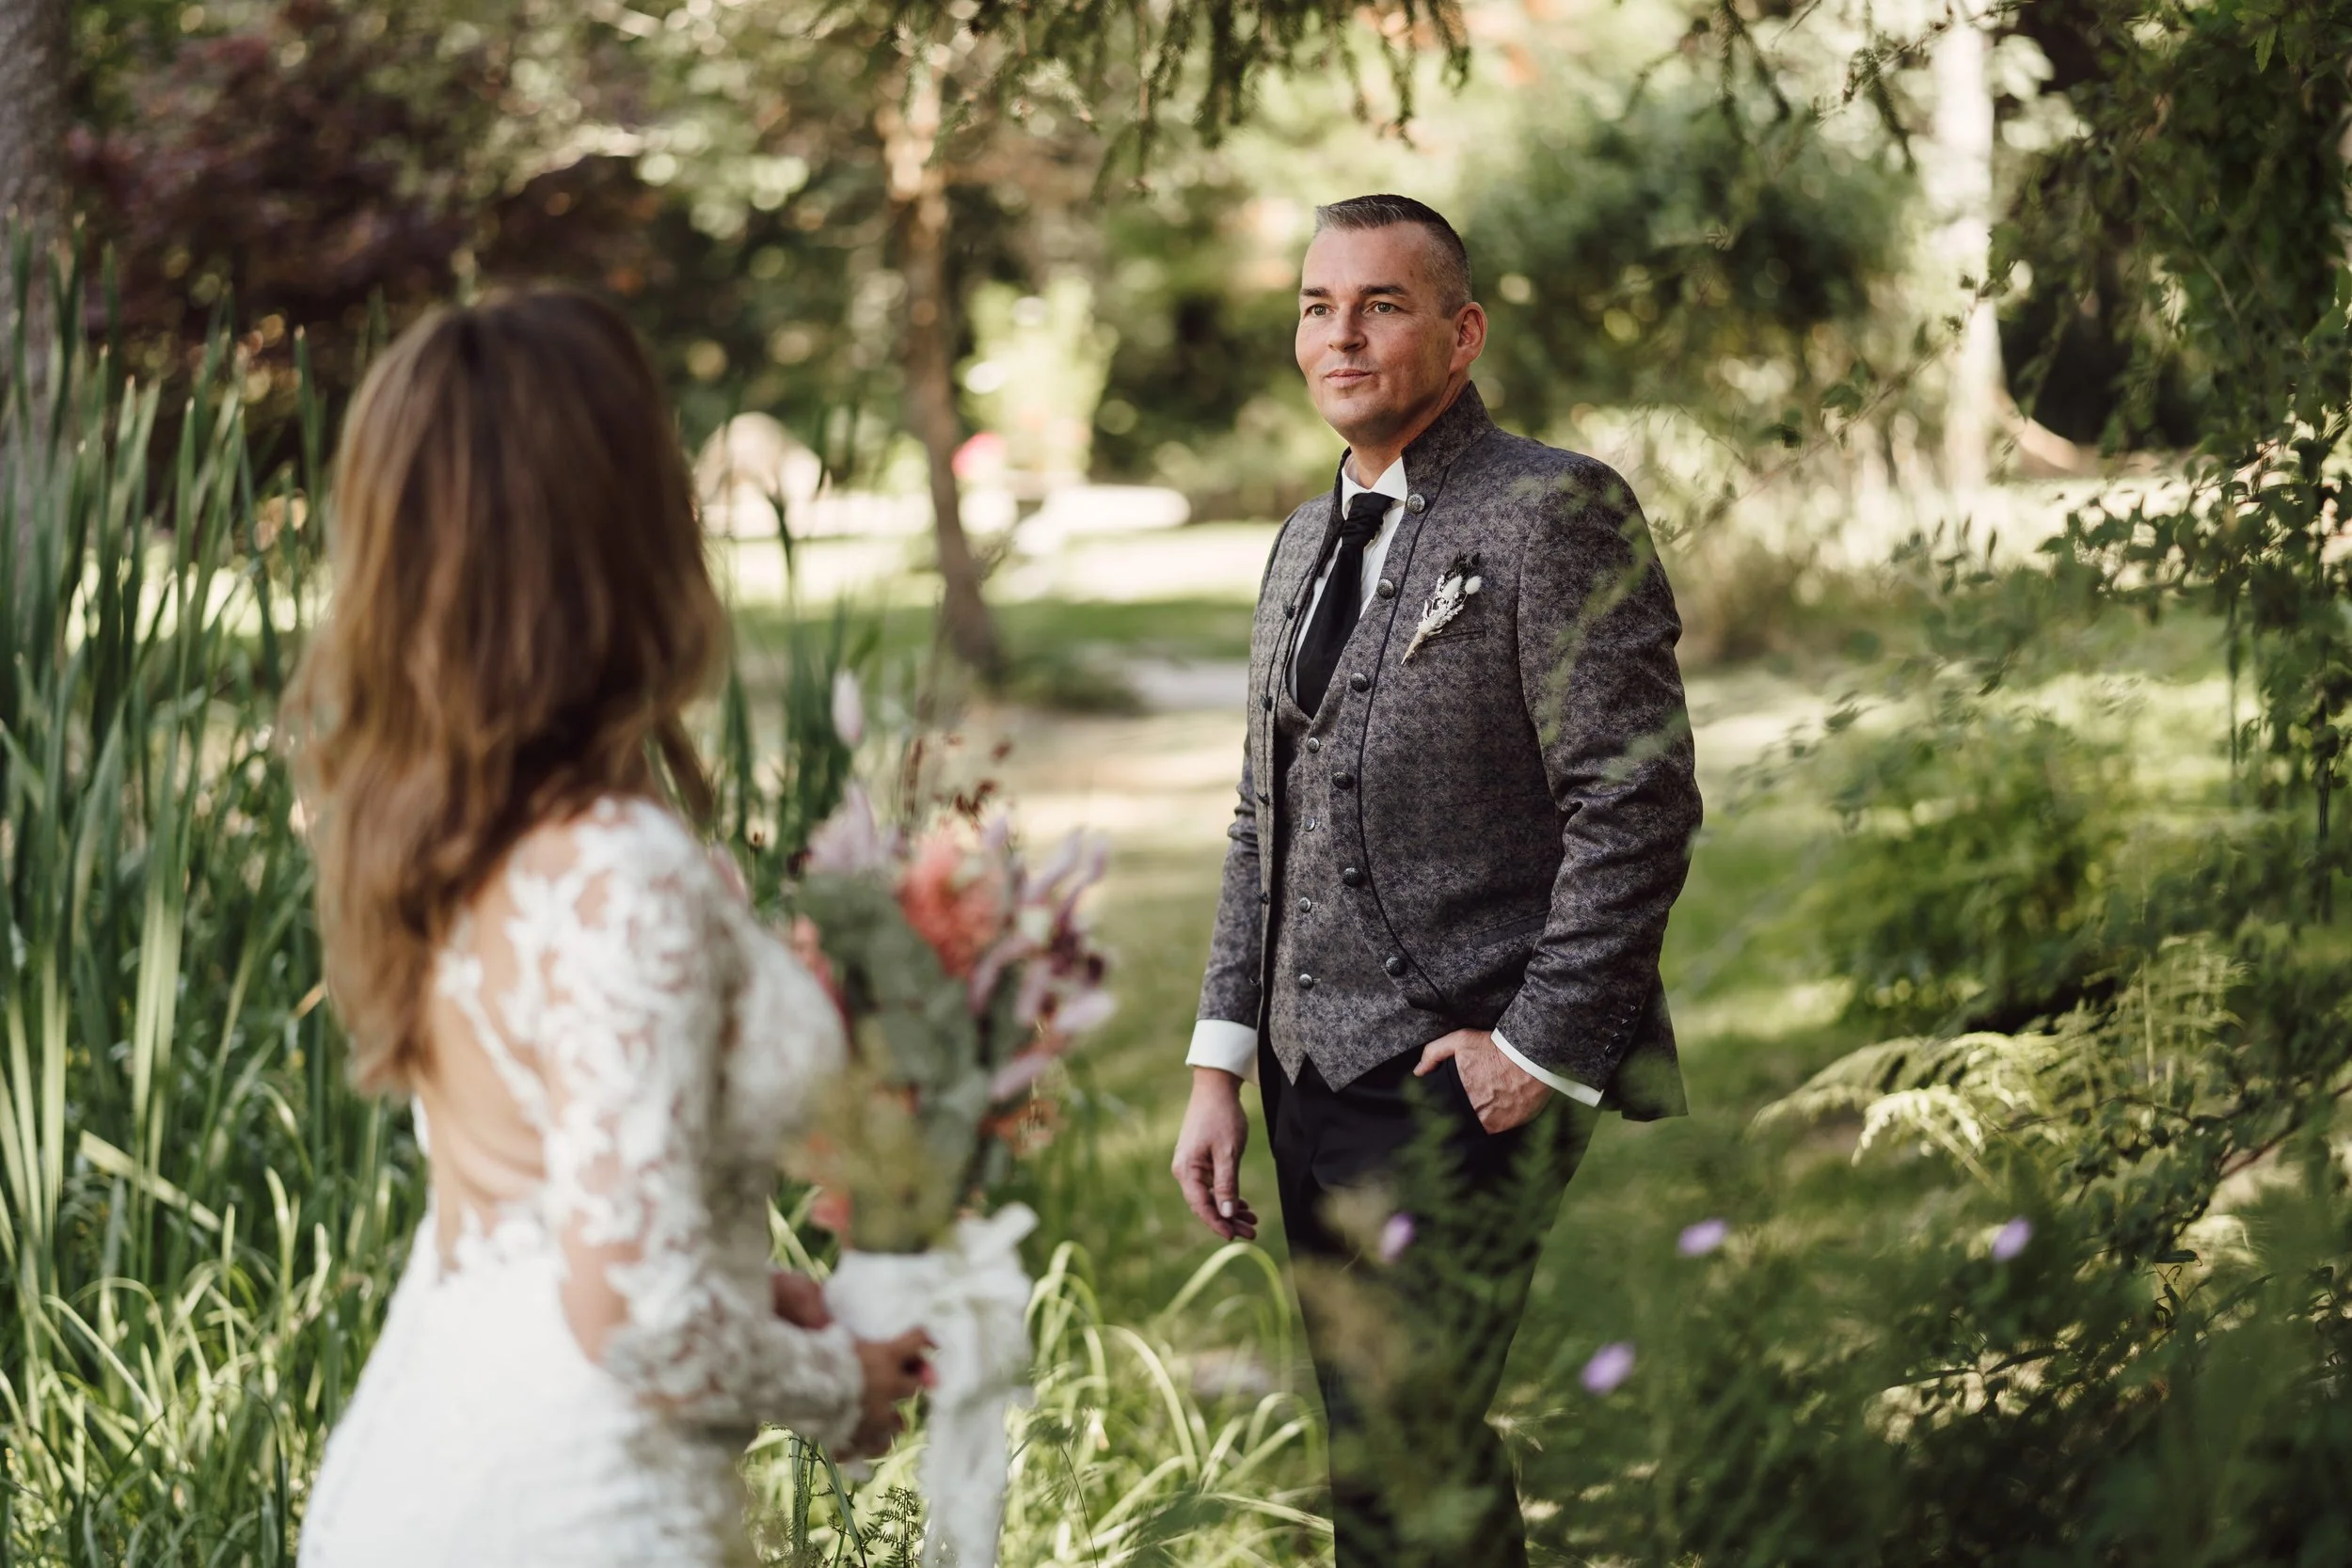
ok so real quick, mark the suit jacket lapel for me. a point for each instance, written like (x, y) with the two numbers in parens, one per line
(1291, 581)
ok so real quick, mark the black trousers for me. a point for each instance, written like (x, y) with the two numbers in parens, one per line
(1409, 1319)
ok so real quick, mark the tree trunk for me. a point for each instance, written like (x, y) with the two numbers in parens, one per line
(36, 45)
(926, 354)
(928, 357)
(35, 49)
(1960, 186)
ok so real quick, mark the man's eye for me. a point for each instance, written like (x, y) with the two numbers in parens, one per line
(1382, 304)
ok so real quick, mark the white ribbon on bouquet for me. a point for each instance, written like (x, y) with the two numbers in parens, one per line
(971, 1295)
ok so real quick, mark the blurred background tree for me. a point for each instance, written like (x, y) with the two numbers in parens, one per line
(797, 199)
(35, 43)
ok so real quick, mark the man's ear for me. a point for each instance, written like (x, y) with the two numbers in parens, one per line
(1470, 333)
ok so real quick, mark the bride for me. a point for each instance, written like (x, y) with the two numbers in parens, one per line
(604, 1049)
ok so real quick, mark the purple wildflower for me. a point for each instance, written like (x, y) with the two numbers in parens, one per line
(1610, 1367)
(1699, 1240)
(2011, 1238)
(1396, 1237)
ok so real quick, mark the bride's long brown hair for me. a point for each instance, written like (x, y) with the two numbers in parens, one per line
(522, 609)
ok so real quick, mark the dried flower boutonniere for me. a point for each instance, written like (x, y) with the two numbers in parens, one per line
(1453, 591)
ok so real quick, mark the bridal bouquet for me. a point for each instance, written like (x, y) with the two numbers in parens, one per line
(962, 972)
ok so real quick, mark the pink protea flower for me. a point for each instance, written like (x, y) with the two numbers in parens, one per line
(956, 900)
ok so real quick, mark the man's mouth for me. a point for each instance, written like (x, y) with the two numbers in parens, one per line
(1347, 375)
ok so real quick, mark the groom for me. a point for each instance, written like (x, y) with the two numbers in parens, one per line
(1466, 808)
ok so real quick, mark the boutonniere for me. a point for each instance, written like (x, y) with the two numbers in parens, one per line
(1453, 591)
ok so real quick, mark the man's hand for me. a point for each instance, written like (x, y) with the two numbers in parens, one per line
(1502, 1093)
(1208, 1154)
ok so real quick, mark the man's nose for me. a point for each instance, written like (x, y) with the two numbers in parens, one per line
(1346, 329)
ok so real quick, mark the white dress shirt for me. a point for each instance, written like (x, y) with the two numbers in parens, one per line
(1234, 1047)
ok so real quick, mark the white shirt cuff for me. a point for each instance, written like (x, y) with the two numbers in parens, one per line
(1224, 1045)
(1568, 1086)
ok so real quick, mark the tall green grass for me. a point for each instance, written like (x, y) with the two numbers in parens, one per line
(202, 1221)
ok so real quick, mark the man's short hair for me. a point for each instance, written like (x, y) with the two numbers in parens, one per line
(1451, 271)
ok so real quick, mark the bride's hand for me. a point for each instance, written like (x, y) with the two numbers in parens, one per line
(895, 1371)
(798, 1300)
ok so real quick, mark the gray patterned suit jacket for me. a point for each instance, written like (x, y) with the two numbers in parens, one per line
(1518, 793)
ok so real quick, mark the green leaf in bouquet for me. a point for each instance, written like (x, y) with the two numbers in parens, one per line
(952, 1114)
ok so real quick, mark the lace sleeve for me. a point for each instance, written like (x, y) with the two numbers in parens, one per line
(633, 969)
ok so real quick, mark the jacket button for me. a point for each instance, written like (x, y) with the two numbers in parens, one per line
(1343, 781)
(1416, 505)
(1359, 682)
(1265, 898)
(1387, 588)
(1352, 876)
(1306, 981)
(1290, 610)
(1395, 964)
(1268, 702)
(1263, 799)
(1313, 744)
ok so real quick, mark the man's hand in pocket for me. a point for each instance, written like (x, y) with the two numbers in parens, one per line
(1502, 1093)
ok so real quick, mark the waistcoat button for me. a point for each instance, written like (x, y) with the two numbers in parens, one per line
(1358, 682)
(1306, 906)
(1352, 876)
(1416, 505)
(1313, 744)
(1387, 588)
(1306, 981)
(1395, 964)
(1343, 781)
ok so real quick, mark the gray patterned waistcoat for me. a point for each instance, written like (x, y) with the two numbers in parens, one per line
(1503, 818)
(1330, 999)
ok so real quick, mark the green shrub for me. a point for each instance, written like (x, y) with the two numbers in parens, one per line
(1969, 886)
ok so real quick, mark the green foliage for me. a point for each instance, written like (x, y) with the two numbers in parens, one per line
(1970, 885)
(1685, 251)
(2200, 215)
(1216, 53)
(770, 802)
(1196, 341)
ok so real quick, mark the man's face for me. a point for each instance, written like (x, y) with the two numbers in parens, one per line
(1378, 347)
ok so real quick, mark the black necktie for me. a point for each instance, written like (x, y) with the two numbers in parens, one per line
(1342, 598)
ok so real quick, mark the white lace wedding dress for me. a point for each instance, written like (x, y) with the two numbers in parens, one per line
(584, 1340)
